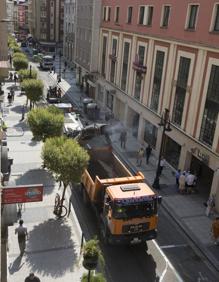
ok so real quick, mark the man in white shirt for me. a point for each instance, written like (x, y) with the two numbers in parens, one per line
(21, 231)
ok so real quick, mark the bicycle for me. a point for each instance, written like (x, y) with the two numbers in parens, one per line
(59, 209)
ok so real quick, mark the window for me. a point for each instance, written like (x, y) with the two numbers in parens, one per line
(181, 87)
(104, 56)
(129, 15)
(211, 110)
(150, 134)
(106, 13)
(145, 15)
(125, 65)
(193, 10)
(216, 21)
(109, 100)
(138, 78)
(150, 15)
(157, 80)
(166, 15)
(113, 62)
(117, 15)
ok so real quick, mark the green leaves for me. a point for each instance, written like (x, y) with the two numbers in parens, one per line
(45, 122)
(20, 63)
(33, 89)
(65, 158)
(25, 74)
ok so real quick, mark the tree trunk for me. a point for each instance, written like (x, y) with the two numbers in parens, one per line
(63, 193)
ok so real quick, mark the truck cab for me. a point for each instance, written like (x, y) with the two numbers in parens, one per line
(129, 214)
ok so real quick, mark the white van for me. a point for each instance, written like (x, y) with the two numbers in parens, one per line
(46, 62)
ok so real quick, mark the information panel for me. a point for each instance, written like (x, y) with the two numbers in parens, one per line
(22, 194)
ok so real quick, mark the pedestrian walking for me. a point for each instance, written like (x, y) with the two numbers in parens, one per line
(210, 205)
(22, 112)
(9, 98)
(32, 278)
(148, 153)
(215, 230)
(161, 165)
(140, 156)
(15, 78)
(12, 94)
(22, 236)
(182, 183)
(123, 139)
(11, 76)
(177, 175)
(59, 93)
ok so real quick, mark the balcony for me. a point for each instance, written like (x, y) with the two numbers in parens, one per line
(113, 57)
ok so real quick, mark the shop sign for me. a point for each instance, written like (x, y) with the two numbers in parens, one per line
(202, 156)
(22, 194)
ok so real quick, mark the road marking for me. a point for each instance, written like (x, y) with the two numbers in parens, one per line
(173, 246)
(168, 263)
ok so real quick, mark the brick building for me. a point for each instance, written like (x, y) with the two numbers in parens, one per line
(156, 55)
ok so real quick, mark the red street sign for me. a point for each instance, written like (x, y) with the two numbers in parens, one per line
(22, 194)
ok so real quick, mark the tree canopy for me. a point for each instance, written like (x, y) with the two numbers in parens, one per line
(65, 158)
(45, 122)
(33, 89)
(20, 63)
(25, 74)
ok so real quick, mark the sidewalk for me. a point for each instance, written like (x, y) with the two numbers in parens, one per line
(187, 210)
(53, 247)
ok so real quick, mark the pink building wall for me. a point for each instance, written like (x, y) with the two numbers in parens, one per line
(176, 28)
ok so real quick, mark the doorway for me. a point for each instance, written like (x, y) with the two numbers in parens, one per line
(204, 174)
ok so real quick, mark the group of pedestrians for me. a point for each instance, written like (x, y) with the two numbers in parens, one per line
(185, 181)
(143, 153)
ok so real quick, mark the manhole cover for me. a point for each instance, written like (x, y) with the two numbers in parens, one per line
(14, 131)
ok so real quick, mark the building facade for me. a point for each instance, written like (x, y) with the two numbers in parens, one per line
(46, 24)
(10, 15)
(86, 36)
(69, 31)
(3, 42)
(154, 56)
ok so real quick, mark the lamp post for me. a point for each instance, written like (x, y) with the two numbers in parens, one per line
(165, 123)
(30, 74)
(60, 67)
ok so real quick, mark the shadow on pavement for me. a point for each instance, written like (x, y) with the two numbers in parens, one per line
(17, 108)
(38, 176)
(50, 248)
(16, 265)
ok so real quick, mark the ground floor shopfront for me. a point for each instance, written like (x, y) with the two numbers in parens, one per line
(180, 151)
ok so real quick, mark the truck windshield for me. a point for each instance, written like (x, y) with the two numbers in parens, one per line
(132, 211)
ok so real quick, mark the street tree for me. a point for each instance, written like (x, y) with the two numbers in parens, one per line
(25, 74)
(45, 122)
(66, 159)
(33, 89)
(19, 55)
(20, 63)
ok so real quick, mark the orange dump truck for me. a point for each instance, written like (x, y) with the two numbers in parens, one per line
(126, 205)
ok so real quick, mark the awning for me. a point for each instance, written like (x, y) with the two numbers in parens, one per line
(91, 83)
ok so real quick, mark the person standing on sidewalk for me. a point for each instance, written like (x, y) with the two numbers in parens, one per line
(32, 278)
(22, 236)
(161, 165)
(182, 183)
(148, 153)
(123, 139)
(140, 156)
(215, 230)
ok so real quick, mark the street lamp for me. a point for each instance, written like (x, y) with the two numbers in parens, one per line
(165, 123)
(30, 74)
(60, 67)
